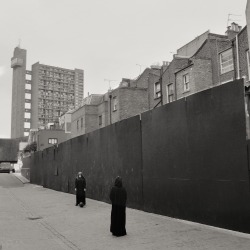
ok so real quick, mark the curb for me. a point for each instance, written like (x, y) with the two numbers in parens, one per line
(21, 178)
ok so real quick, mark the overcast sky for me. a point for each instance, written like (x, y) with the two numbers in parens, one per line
(106, 38)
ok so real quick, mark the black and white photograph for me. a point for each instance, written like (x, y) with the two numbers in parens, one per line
(125, 125)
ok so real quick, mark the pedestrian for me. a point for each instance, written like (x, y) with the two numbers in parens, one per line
(80, 188)
(118, 197)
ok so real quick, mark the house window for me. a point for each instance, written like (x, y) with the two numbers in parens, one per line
(170, 93)
(157, 90)
(248, 65)
(52, 140)
(226, 61)
(81, 122)
(115, 103)
(68, 127)
(186, 82)
(100, 120)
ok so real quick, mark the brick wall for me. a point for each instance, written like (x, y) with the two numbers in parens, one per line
(142, 81)
(91, 118)
(154, 77)
(169, 75)
(76, 116)
(132, 101)
(211, 50)
(243, 47)
(200, 77)
(104, 112)
(115, 114)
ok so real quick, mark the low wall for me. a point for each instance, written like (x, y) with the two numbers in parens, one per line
(187, 159)
(101, 156)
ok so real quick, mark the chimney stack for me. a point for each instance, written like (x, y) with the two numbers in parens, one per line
(233, 30)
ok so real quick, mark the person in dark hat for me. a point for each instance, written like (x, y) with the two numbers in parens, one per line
(118, 197)
(80, 188)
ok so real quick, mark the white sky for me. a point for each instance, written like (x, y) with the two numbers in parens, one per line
(106, 38)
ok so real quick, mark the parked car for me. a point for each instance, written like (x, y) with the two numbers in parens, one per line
(6, 167)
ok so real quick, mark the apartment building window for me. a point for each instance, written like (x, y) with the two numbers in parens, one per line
(27, 115)
(115, 102)
(186, 82)
(28, 77)
(27, 105)
(28, 86)
(52, 140)
(226, 61)
(27, 96)
(27, 125)
(157, 90)
(170, 92)
(248, 65)
(100, 120)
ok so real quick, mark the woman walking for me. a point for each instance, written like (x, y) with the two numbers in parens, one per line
(80, 188)
(118, 197)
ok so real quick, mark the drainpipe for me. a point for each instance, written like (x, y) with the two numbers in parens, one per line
(237, 57)
(161, 73)
(234, 59)
(175, 87)
(110, 116)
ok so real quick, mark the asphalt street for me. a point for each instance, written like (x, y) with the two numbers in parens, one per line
(36, 218)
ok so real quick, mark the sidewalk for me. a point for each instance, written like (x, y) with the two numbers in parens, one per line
(37, 218)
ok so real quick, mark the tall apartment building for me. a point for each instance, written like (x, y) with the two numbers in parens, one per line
(54, 92)
(42, 95)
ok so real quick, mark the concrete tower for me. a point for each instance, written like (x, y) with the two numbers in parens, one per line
(18, 63)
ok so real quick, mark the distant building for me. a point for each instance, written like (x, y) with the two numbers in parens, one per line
(98, 111)
(48, 137)
(65, 121)
(85, 118)
(54, 91)
(205, 62)
(41, 95)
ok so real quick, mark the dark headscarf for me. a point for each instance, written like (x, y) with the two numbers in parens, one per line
(79, 174)
(118, 194)
(118, 181)
(80, 183)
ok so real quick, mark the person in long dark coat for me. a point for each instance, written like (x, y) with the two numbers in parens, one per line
(80, 188)
(118, 197)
